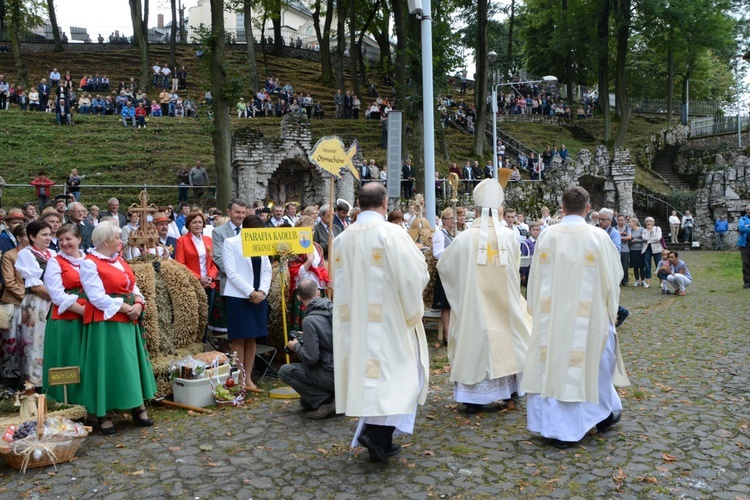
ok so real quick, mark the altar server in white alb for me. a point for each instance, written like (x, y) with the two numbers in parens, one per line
(490, 325)
(573, 357)
(380, 350)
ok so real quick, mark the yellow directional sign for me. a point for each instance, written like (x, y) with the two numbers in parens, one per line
(257, 242)
(329, 155)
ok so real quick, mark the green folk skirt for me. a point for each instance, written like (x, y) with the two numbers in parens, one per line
(116, 371)
(62, 347)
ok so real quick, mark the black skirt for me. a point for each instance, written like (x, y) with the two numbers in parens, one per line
(439, 300)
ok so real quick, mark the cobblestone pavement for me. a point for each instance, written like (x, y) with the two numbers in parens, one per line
(684, 431)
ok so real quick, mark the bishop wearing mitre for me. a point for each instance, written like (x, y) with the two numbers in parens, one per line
(573, 358)
(490, 327)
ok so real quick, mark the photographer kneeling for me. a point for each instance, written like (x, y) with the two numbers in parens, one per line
(313, 378)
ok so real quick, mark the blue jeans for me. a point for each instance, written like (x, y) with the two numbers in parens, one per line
(647, 262)
(76, 195)
(719, 243)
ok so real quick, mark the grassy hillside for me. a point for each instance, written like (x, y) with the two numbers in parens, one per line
(108, 154)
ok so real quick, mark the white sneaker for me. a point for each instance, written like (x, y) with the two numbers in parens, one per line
(646, 285)
(637, 283)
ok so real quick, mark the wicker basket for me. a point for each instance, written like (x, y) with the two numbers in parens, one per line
(55, 450)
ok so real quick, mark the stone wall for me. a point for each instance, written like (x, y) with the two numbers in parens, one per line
(723, 191)
(670, 136)
(278, 170)
(610, 184)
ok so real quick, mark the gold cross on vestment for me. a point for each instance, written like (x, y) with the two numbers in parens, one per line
(377, 257)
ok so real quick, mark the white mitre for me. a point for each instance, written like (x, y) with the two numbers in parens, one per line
(488, 195)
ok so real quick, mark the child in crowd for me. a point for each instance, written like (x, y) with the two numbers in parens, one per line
(528, 248)
(663, 270)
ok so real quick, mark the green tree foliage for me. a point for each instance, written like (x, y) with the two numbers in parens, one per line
(21, 16)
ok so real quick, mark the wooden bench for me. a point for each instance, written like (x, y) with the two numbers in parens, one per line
(434, 315)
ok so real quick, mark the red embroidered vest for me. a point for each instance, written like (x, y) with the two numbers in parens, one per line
(71, 280)
(116, 283)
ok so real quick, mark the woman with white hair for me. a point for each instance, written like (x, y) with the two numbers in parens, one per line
(651, 247)
(115, 369)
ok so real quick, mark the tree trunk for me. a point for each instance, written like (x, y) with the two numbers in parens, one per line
(173, 35)
(14, 22)
(568, 57)
(402, 36)
(621, 90)
(252, 65)
(382, 37)
(511, 25)
(354, 54)
(181, 9)
(324, 39)
(480, 92)
(603, 57)
(140, 40)
(360, 55)
(3, 10)
(53, 24)
(278, 43)
(340, 44)
(670, 84)
(221, 134)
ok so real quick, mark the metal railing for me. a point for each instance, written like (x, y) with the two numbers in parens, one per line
(650, 201)
(659, 106)
(510, 142)
(717, 125)
(138, 187)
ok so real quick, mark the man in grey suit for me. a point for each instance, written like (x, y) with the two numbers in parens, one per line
(236, 210)
(76, 214)
(113, 210)
(320, 231)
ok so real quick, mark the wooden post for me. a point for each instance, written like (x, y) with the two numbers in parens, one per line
(330, 233)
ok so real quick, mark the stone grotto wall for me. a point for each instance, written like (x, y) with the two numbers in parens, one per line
(279, 170)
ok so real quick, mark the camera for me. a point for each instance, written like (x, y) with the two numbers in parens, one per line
(294, 335)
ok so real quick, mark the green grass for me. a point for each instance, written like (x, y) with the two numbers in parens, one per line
(108, 154)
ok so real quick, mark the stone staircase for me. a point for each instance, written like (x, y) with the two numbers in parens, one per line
(662, 165)
(661, 220)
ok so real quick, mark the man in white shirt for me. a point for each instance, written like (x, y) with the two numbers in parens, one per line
(236, 210)
(157, 74)
(277, 217)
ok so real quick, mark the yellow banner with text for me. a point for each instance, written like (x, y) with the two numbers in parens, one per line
(276, 240)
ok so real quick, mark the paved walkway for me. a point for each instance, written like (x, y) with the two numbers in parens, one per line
(684, 431)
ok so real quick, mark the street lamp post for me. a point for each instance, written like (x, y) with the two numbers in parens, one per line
(492, 57)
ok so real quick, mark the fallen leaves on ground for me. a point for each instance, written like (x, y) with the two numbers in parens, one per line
(619, 476)
(668, 458)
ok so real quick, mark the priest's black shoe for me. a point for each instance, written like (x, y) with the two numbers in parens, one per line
(562, 445)
(608, 422)
(473, 409)
(377, 453)
(393, 450)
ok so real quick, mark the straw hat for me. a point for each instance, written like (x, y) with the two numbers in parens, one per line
(15, 213)
(49, 211)
(160, 217)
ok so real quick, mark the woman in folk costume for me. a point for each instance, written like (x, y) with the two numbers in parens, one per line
(305, 267)
(10, 302)
(194, 251)
(63, 335)
(32, 263)
(440, 241)
(116, 371)
(489, 325)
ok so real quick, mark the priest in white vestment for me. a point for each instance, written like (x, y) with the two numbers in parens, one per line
(490, 325)
(380, 350)
(573, 357)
